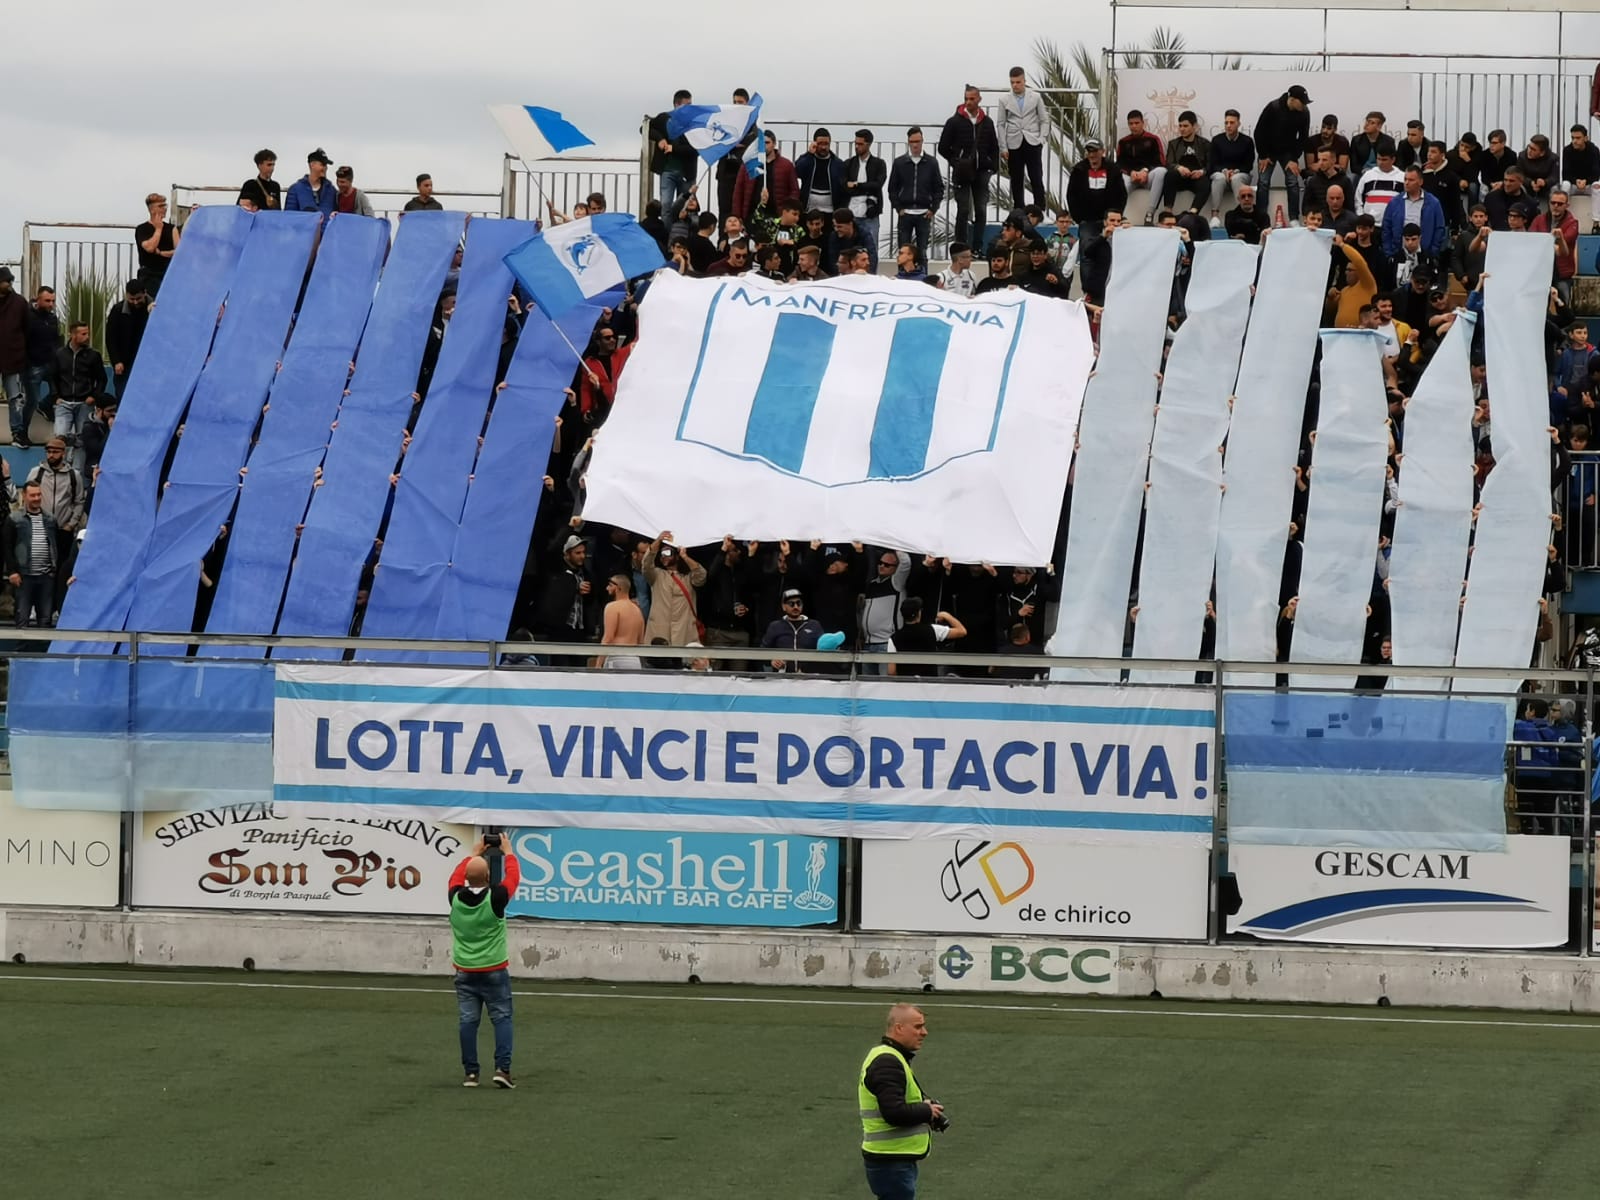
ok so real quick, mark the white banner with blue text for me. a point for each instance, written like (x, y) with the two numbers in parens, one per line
(678, 752)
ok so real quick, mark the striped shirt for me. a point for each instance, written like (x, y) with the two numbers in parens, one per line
(40, 554)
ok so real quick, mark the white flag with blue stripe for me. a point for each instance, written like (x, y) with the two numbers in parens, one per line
(860, 409)
(755, 155)
(714, 130)
(535, 132)
(580, 260)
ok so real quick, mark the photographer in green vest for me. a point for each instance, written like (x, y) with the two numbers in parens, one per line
(478, 949)
(897, 1120)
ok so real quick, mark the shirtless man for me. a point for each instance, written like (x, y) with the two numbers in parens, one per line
(624, 626)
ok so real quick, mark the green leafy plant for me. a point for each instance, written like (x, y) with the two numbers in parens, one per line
(87, 295)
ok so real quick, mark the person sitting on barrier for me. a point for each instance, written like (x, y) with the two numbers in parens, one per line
(478, 950)
(1539, 168)
(1143, 164)
(1232, 163)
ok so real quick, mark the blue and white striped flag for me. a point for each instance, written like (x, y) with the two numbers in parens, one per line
(535, 132)
(580, 260)
(755, 155)
(714, 130)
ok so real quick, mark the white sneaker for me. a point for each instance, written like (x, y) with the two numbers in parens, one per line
(1216, 221)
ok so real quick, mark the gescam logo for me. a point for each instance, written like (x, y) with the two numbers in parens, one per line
(1007, 966)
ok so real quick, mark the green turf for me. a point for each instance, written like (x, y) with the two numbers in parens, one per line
(124, 1089)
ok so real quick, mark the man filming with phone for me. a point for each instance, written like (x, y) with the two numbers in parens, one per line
(481, 888)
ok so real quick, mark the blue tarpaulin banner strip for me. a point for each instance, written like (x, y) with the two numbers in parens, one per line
(296, 429)
(203, 482)
(480, 586)
(182, 325)
(408, 586)
(347, 510)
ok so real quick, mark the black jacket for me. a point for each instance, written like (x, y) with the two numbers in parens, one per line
(1280, 131)
(555, 607)
(886, 1080)
(915, 184)
(124, 331)
(1089, 205)
(44, 336)
(681, 158)
(727, 584)
(13, 334)
(869, 178)
(970, 147)
(77, 374)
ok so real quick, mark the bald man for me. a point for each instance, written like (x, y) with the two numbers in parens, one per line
(478, 950)
(897, 1120)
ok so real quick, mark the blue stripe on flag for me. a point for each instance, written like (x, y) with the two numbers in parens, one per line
(904, 423)
(548, 282)
(780, 415)
(771, 810)
(556, 129)
(582, 698)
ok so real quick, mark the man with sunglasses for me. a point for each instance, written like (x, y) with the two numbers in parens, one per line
(878, 612)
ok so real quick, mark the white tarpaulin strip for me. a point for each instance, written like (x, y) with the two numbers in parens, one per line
(1264, 442)
(1433, 524)
(1185, 496)
(859, 409)
(1113, 448)
(1344, 508)
(1506, 571)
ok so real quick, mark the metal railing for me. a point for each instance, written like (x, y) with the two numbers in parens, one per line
(386, 202)
(56, 252)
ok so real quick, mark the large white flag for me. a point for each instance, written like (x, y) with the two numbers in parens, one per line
(860, 409)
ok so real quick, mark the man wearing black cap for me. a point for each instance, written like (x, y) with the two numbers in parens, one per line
(124, 331)
(263, 191)
(1281, 133)
(1094, 189)
(312, 192)
(423, 201)
(792, 631)
(567, 609)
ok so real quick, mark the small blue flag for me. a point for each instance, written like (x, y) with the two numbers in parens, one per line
(581, 260)
(535, 132)
(714, 130)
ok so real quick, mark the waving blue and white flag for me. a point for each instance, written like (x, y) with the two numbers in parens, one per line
(714, 130)
(755, 155)
(535, 132)
(577, 261)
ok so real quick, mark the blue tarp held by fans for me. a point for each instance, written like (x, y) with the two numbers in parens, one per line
(297, 427)
(408, 586)
(348, 508)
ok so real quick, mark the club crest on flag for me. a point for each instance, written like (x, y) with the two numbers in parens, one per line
(843, 385)
(582, 252)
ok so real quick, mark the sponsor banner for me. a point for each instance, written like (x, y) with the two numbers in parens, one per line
(675, 752)
(304, 858)
(1344, 895)
(676, 878)
(1161, 95)
(1050, 888)
(1057, 968)
(66, 858)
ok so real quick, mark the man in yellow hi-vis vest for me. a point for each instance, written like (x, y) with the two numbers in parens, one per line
(897, 1120)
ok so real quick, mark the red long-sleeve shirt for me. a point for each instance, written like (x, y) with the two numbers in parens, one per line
(499, 897)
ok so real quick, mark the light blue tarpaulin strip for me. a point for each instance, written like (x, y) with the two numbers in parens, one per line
(1365, 770)
(348, 508)
(408, 587)
(295, 432)
(182, 325)
(780, 414)
(904, 424)
(480, 586)
(203, 483)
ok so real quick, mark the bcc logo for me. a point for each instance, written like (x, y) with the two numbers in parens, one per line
(955, 962)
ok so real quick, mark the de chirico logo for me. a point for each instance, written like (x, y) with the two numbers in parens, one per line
(984, 877)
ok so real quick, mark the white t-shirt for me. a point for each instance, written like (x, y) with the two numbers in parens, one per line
(940, 632)
(961, 283)
(1377, 188)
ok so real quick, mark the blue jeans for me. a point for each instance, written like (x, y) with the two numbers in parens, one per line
(1291, 184)
(869, 234)
(874, 648)
(475, 991)
(674, 188)
(893, 1180)
(11, 384)
(71, 416)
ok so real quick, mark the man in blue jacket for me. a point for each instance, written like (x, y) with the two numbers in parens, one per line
(1414, 206)
(821, 175)
(312, 192)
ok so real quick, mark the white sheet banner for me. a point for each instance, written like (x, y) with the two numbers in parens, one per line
(1185, 496)
(1506, 571)
(1264, 442)
(678, 752)
(1433, 524)
(1044, 889)
(1343, 510)
(305, 857)
(1113, 447)
(861, 409)
(1509, 901)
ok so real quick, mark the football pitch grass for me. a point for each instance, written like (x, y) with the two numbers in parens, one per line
(173, 1085)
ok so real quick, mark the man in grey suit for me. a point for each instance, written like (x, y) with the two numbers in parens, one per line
(1022, 138)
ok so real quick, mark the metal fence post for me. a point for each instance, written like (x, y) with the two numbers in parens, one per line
(644, 169)
(1214, 889)
(1586, 934)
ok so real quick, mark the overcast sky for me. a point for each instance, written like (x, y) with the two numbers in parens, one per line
(106, 101)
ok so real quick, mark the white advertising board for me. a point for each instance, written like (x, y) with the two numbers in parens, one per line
(68, 858)
(1348, 95)
(304, 859)
(1363, 897)
(1048, 889)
